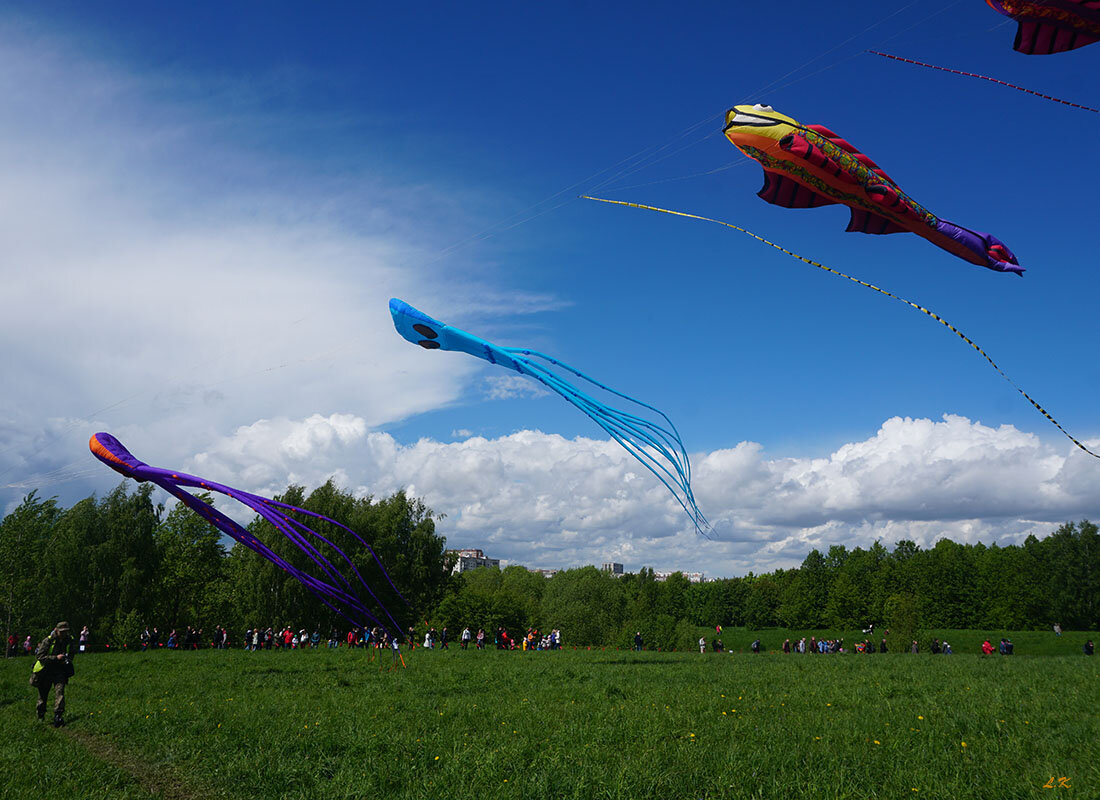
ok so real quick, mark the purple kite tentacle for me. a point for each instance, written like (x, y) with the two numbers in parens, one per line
(340, 598)
(222, 522)
(305, 544)
(377, 560)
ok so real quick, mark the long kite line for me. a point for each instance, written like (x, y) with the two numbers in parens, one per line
(986, 78)
(871, 286)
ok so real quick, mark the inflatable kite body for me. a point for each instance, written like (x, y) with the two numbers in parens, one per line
(333, 585)
(657, 447)
(806, 166)
(1051, 26)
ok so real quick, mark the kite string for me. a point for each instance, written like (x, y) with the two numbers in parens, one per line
(984, 78)
(871, 286)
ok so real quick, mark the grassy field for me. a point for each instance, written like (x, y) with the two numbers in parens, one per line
(584, 724)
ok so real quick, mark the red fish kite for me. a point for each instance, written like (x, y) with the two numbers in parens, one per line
(1051, 26)
(806, 166)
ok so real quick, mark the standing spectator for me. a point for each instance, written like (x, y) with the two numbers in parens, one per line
(638, 640)
(787, 646)
(154, 638)
(936, 646)
(53, 669)
(882, 645)
(702, 644)
(480, 638)
(443, 638)
(11, 645)
(315, 639)
(27, 646)
(465, 638)
(145, 637)
(915, 648)
(84, 634)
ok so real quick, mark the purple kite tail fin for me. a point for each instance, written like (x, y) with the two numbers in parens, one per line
(986, 249)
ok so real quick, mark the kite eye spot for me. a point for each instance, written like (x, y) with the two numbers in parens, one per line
(428, 344)
(763, 107)
(424, 330)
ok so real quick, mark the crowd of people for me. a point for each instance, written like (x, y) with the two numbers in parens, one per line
(287, 638)
(26, 647)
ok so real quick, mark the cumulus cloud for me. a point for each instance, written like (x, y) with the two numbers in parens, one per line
(162, 280)
(543, 500)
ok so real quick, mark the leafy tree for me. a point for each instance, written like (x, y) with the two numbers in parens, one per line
(23, 536)
(585, 604)
(192, 561)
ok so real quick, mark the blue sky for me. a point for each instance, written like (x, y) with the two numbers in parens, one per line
(208, 207)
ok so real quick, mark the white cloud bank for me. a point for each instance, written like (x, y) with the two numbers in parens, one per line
(542, 500)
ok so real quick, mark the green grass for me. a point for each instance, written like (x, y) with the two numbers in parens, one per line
(599, 724)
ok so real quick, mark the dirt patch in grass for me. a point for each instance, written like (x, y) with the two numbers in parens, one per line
(158, 781)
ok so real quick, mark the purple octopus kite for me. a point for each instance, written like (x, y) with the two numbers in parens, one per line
(334, 589)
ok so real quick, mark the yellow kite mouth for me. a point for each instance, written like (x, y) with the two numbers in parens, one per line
(757, 116)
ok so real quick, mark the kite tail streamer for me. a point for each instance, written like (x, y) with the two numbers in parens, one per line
(985, 78)
(660, 450)
(871, 286)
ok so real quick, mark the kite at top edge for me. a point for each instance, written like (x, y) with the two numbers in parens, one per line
(806, 166)
(336, 589)
(657, 448)
(1051, 26)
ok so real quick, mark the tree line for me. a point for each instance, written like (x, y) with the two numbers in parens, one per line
(121, 562)
(907, 589)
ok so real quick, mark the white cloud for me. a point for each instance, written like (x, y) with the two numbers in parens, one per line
(507, 387)
(540, 499)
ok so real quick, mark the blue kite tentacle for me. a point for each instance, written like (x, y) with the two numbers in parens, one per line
(625, 433)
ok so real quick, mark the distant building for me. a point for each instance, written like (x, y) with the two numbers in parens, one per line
(466, 560)
(546, 573)
(693, 577)
(612, 567)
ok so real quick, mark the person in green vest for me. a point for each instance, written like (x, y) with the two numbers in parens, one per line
(53, 668)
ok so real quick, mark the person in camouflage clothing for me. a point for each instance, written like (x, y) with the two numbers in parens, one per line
(55, 655)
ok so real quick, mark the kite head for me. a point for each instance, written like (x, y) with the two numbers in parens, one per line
(431, 334)
(110, 451)
(758, 120)
(416, 326)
